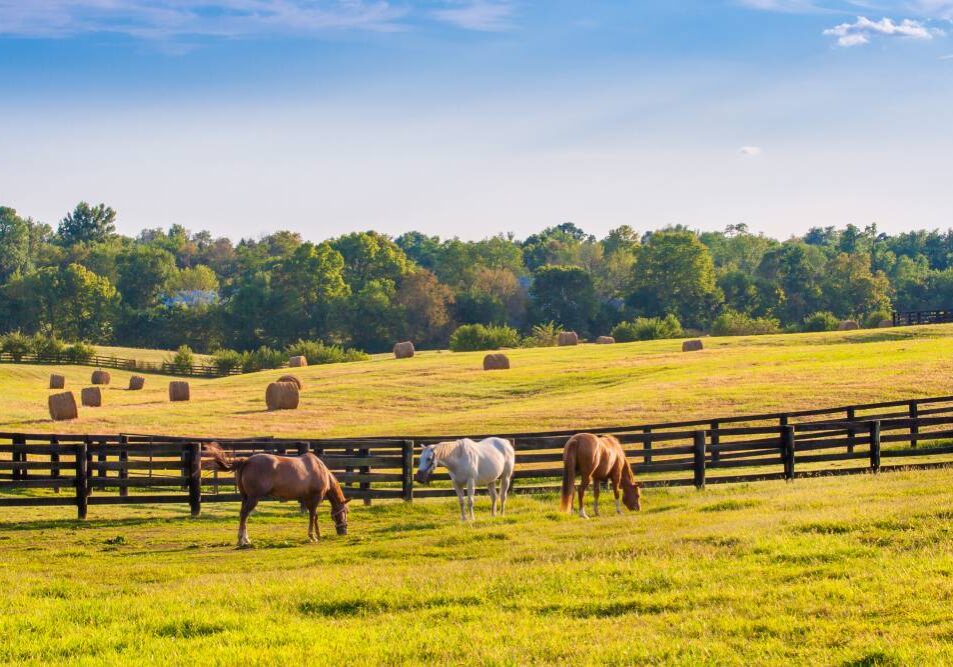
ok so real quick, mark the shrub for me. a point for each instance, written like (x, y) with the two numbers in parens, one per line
(182, 360)
(733, 323)
(471, 337)
(873, 320)
(648, 328)
(226, 361)
(47, 346)
(821, 321)
(16, 345)
(543, 335)
(316, 352)
(79, 353)
(262, 358)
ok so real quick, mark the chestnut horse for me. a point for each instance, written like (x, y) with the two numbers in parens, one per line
(597, 459)
(303, 478)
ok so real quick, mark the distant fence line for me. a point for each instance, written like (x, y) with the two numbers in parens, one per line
(35, 470)
(119, 363)
(913, 317)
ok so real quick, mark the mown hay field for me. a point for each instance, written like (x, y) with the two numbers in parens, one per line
(546, 388)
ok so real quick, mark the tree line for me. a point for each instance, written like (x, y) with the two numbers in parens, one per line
(81, 281)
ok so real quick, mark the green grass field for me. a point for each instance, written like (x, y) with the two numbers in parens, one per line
(847, 570)
(585, 386)
(850, 571)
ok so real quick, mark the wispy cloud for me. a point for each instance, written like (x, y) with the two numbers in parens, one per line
(484, 15)
(170, 19)
(863, 29)
(750, 151)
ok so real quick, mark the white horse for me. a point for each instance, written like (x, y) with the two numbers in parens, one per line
(470, 463)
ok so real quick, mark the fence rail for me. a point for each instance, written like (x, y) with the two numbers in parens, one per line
(119, 363)
(912, 317)
(84, 470)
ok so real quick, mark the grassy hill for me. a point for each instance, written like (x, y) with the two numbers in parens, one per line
(585, 386)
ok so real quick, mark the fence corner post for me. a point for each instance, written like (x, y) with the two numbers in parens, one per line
(82, 493)
(699, 451)
(364, 453)
(194, 458)
(875, 446)
(787, 451)
(407, 470)
(123, 465)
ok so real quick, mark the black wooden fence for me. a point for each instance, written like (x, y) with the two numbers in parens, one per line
(119, 363)
(83, 470)
(922, 317)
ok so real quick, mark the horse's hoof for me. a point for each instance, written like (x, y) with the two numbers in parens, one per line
(246, 545)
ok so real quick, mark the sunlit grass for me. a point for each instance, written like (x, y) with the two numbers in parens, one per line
(830, 571)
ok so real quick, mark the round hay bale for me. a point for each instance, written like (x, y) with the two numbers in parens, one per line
(100, 377)
(567, 338)
(605, 340)
(298, 362)
(885, 324)
(179, 391)
(282, 396)
(496, 362)
(62, 406)
(291, 378)
(404, 350)
(848, 325)
(92, 397)
(57, 381)
(692, 346)
(136, 382)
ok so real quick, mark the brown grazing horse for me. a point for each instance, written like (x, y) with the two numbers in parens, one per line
(597, 459)
(303, 478)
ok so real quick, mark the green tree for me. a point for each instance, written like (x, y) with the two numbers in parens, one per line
(565, 295)
(674, 273)
(369, 256)
(849, 288)
(307, 287)
(71, 303)
(424, 308)
(87, 224)
(15, 254)
(143, 272)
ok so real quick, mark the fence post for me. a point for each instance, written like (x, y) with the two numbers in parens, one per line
(82, 492)
(647, 446)
(123, 465)
(55, 460)
(407, 469)
(787, 451)
(365, 470)
(194, 450)
(914, 427)
(18, 456)
(699, 451)
(851, 431)
(715, 441)
(875, 446)
(102, 458)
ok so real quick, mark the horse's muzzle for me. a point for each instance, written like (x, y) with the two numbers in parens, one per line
(422, 477)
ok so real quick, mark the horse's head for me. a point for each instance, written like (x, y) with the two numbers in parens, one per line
(339, 514)
(632, 496)
(428, 461)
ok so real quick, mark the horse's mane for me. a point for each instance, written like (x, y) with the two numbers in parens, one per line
(444, 450)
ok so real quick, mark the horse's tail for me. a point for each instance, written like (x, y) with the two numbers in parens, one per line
(216, 458)
(569, 474)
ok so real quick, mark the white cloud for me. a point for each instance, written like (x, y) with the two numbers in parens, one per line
(484, 15)
(164, 19)
(860, 31)
(750, 151)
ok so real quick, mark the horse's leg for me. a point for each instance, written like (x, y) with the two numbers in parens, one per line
(491, 489)
(248, 504)
(471, 493)
(504, 489)
(616, 483)
(583, 483)
(313, 532)
(459, 489)
(595, 497)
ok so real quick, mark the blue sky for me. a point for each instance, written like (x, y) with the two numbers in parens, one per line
(472, 117)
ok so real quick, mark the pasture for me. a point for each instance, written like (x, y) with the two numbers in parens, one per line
(854, 571)
(547, 388)
(844, 570)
